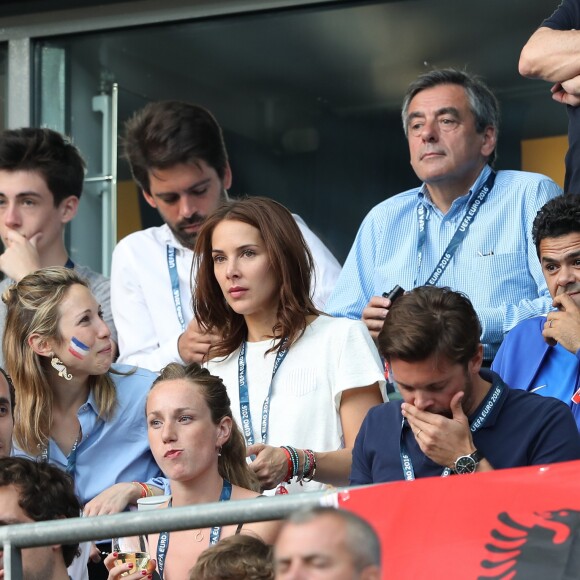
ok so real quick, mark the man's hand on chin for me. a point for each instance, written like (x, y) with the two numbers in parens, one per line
(563, 325)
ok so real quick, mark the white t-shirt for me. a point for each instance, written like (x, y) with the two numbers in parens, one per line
(332, 356)
(143, 303)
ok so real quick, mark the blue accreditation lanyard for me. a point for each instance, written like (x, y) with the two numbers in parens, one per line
(458, 236)
(245, 413)
(214, 534)
(172, 266)
(487, 406)
(71, 459)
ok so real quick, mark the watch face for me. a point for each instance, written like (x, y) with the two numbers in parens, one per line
(465, 464)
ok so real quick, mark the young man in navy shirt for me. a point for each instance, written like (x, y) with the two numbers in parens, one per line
(455, 418)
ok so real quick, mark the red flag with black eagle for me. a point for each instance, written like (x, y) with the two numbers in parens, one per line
(521, 524)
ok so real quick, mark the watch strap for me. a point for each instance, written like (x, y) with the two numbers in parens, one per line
(476, 457)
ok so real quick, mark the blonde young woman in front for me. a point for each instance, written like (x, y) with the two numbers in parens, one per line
(202, 453)
(73, 408)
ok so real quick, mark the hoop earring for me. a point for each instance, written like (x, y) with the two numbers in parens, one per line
(59, 366)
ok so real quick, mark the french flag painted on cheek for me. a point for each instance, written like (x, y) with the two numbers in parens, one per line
(78, 348)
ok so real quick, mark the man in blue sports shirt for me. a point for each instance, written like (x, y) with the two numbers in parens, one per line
(467, 227)
(542, 354)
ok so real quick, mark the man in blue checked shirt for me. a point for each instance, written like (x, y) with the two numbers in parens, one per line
(467, 227)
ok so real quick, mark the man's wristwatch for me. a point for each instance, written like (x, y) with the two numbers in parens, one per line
(467, 463)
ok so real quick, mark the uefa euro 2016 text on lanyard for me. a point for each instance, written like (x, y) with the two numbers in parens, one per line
(448, 254)
(487, 406)
(458, 236)
(456, 240)
(172, 267)
(214, 534)
(245, 414)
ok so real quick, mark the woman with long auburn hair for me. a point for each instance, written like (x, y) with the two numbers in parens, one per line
(300, 382)
(73, 408)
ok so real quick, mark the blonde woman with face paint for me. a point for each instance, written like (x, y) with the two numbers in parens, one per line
(73, 408)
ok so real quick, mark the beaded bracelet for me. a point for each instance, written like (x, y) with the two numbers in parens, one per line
(295, 459)
(305, 465)
(309, 473)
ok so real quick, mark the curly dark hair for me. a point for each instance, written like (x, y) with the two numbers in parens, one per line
(241, 557)
(48, 153)
(46, 493)
(558, 217)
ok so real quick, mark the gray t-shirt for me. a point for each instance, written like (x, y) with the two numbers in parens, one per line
(100, 286)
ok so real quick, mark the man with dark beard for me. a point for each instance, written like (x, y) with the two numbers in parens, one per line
(542, 354)
(455, 418)
(179, 161)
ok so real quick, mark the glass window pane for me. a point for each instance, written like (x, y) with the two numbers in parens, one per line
(309, 98)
